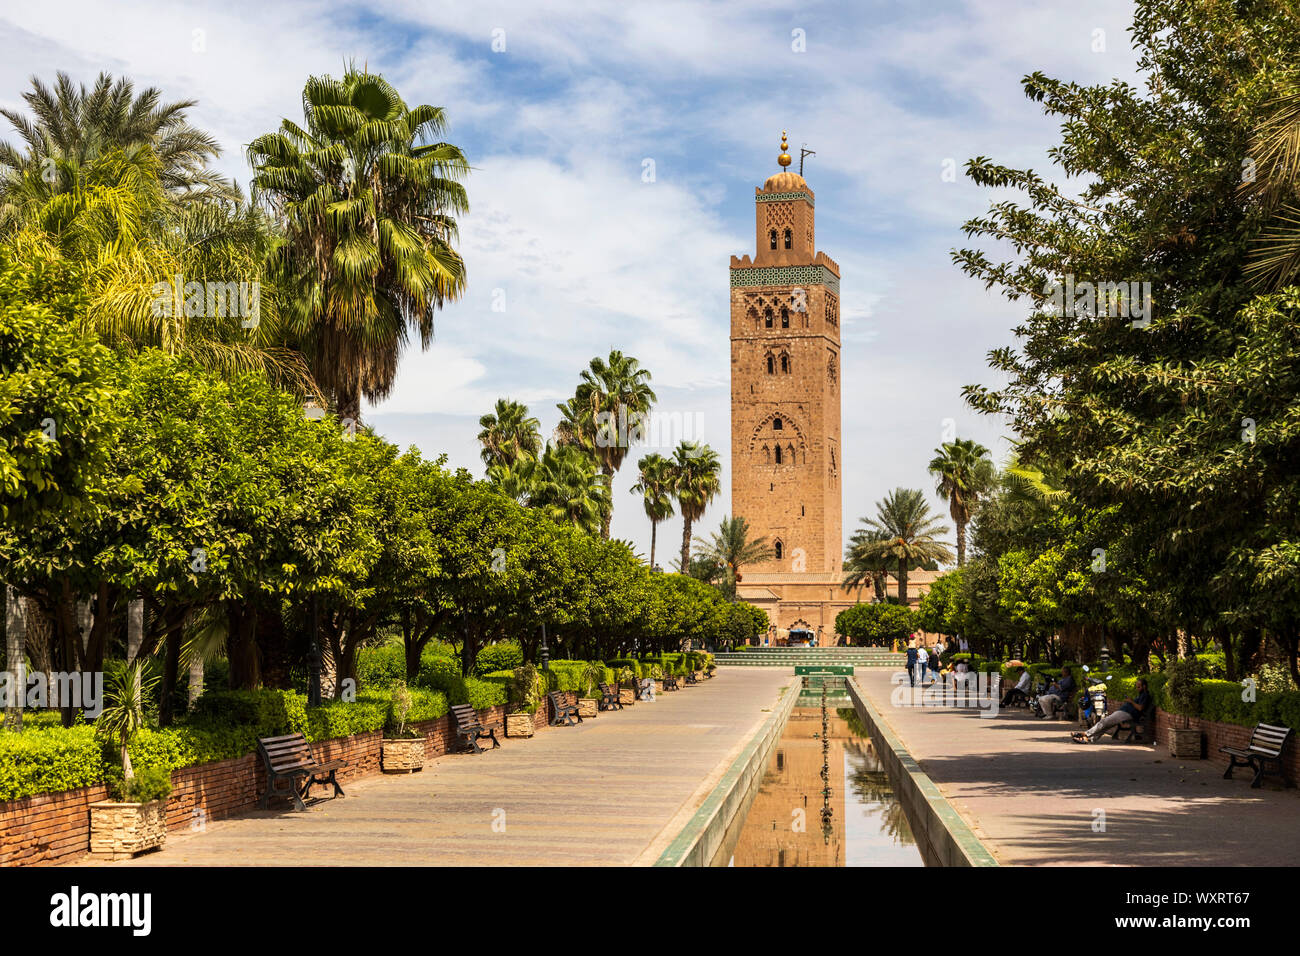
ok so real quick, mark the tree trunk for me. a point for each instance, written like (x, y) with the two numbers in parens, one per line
(607, 514)
(195, 689)
(1229, 658)
(134, 628)
(1182, 644)
(902, 583)
(241, 648)
(686, 545)
(961, 543)
(273, 646)
(654, 527)
(15, 647)
(171, 671)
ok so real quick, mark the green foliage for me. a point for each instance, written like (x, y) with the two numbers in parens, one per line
(148, 784)
(876, 623)
(501, 656)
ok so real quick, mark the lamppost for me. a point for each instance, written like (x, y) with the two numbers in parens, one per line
(545, 652)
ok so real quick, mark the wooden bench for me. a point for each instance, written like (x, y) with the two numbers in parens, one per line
(1132, 730)
(1263, 753)
(288, 758)
(670, 682)
(609, 698)
(470, 729)
(564, 707)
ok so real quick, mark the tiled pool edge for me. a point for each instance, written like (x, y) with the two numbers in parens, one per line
(942, 834)
(699, 841)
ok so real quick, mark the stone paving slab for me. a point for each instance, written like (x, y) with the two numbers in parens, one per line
(599, 793)
(1032, 796)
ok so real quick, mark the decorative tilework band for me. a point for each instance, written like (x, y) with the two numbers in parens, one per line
(783, 197)
(785, 275)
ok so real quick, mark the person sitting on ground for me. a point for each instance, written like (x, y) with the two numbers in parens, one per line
(1019, 693)
(1057, 694)
(1132, 709)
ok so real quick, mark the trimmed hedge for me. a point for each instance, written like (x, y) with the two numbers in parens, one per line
(502, 656)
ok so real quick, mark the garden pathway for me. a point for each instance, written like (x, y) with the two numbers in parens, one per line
(1034, 797)
(599, 793)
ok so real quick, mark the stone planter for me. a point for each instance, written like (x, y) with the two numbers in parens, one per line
(588, 706)
(402, 756)
(626, 696)
(121, 830)
(520, 725)
(1185, 744)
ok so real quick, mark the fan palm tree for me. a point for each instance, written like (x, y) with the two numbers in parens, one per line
(655, 486)
(516, 479)
(366, 203)
(569, 489)
(732, 549)
(605, 414)
(906, 533)
(74, 125)
(965, 472)
(509, 434)
(1275, 151)
(697, 480)
(863, 563)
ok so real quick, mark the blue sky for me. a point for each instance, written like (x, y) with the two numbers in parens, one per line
(582, 253)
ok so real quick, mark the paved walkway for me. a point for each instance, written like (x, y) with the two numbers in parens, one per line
(1033, 796)
(610, 791)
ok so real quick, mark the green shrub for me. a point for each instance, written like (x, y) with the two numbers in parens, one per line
(632, 663)
(146, 785)
(381, 666)
(501, 656)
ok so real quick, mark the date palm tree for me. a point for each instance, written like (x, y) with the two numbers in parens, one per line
(905, 533)
(365, 195)
(655, 486)
(72, 126)
(697, 480)
(965, 473)
(509, 434)
(863, 563)
(732, 548)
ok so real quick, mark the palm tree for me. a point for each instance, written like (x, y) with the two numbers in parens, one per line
(515, 479)
(732, 549)
(1275, 151)
(509, 434)
(569, 489)
(606, 412)
(905, 533)
(366, 203)
(656, 490)
(696, 481)
(863, 563)
(965, 473)
(75, 126)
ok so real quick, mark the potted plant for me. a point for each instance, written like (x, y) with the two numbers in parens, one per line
(589, 701)
(135, 819)
(525, 693)
(1183, 692)
(657, 674)
(626, 695)
(403, 748)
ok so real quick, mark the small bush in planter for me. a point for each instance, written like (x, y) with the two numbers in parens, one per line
(136, 820)
(146, 785)
(398, 710)
(403, 746)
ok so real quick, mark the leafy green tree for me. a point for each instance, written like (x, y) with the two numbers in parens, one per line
(367, 205)
(731, 548)
(876, 624)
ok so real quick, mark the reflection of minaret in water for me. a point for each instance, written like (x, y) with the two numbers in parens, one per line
(827, 813)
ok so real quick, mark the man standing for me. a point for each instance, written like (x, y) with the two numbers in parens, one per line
(921, 658)
(911, 664)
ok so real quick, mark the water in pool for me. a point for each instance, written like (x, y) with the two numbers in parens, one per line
(866, 825)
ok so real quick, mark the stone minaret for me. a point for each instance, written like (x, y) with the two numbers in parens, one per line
(785, 382)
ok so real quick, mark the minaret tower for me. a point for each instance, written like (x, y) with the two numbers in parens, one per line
(785, 382)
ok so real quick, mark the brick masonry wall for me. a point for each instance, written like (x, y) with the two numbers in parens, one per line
(1215, 735)
(52, 828)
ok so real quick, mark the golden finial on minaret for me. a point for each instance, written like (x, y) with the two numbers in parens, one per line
(784, 158)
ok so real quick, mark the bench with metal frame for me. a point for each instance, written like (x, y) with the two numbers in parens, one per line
(289, 758)
(564, 707)
(609, 698)
(470, 729)
(1263, 754)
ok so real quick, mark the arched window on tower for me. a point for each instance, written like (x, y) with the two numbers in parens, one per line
(778, 549)
(789, 239)
(771, 365)
(785, 317)
(778, 454)
(777, 424)
(785, 362)
(767, 317)
(772, 236)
